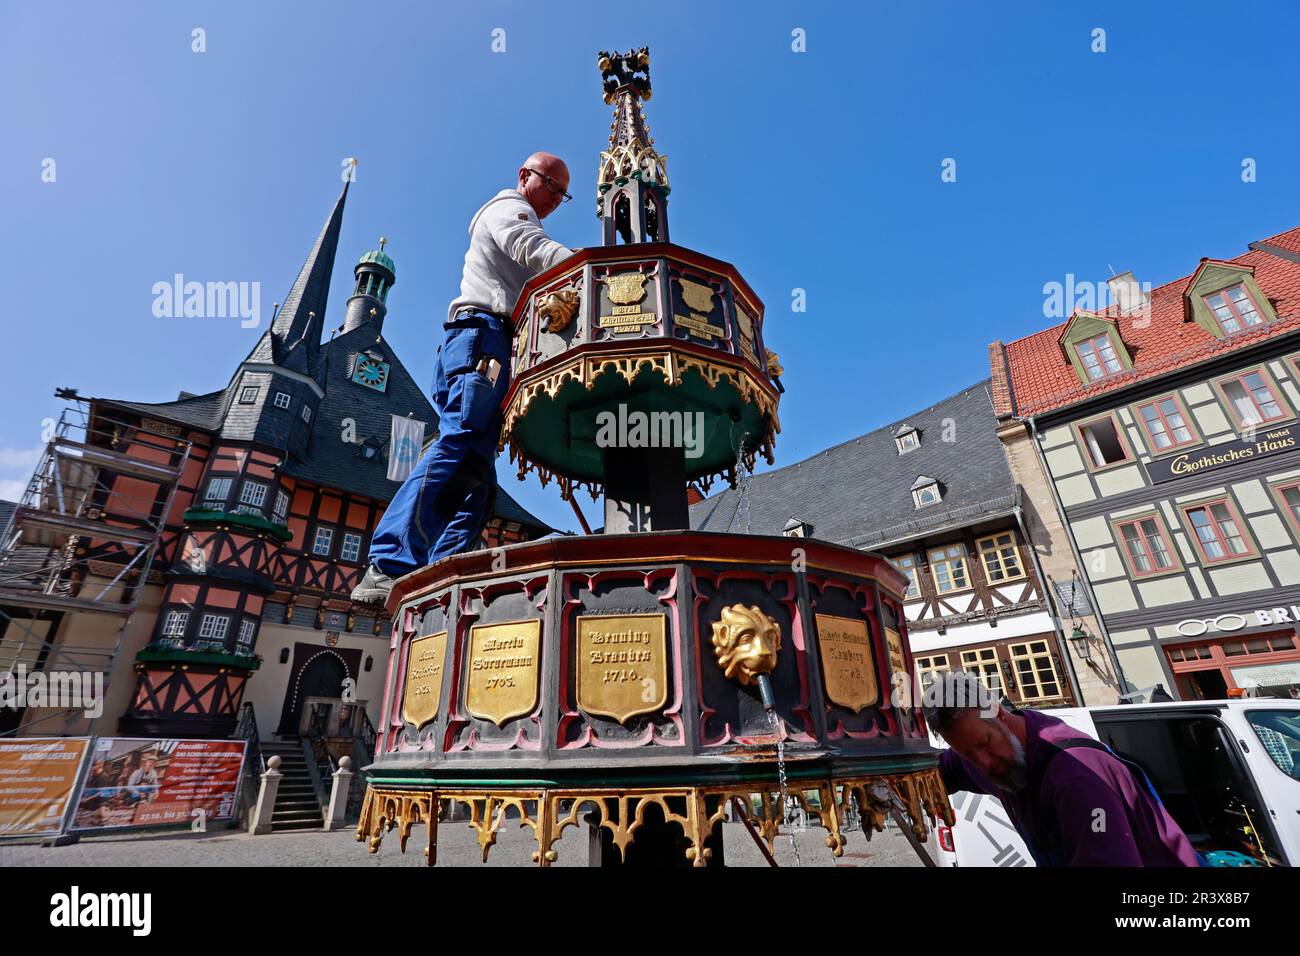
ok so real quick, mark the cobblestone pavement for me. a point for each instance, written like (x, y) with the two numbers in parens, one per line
(456, 847)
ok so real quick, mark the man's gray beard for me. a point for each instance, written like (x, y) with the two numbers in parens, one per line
(1017, 772)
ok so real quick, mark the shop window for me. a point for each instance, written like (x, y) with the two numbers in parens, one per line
(1253, 399)
(948, 568)
(1165, 424)
(1000, 557)
(1218, 530)
(1146, 546)
(1103, 444)
(1035, 670)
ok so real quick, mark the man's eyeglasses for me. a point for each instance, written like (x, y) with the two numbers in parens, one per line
(555, 188)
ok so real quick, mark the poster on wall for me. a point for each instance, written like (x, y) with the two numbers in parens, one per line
(37, 779)
(149, 782)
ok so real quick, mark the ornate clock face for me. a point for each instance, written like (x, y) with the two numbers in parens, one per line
(371, 373)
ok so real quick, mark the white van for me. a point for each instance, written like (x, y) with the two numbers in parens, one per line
(1228, 771)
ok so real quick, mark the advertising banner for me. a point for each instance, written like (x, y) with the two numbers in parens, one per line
(37, 778)
(148, 782)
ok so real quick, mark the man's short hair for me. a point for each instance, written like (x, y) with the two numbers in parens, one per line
(952, 694)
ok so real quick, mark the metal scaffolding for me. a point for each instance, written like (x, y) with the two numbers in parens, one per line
(83, 539)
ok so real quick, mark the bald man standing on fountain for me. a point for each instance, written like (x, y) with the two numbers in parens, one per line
(442, 506)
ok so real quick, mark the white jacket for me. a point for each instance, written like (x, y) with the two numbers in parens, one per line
(507, 247)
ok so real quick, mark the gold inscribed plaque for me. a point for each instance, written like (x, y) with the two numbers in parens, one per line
(627, 321)
(898, 665)
(848, 667)
(424, 679)
(504, 664)
(622, 664)
(699, 326)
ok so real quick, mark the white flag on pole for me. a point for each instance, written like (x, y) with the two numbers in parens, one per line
(404, 443)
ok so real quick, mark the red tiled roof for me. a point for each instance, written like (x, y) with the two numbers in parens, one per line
(1042, 378)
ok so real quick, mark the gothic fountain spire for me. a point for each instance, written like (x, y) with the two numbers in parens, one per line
(632, 182)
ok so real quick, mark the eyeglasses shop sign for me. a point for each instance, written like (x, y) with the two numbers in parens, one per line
(1272, 442)
(1265, 616)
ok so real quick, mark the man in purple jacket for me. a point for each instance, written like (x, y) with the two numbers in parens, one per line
(1072, 800)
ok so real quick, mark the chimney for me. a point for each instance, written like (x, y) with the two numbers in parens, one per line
(1125, 291)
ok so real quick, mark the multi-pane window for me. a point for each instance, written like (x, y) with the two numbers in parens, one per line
(248, 395)
(1102, 442)
(1252, 399)
(252, 493)
(1289, 496)
(324, 538)
(351, 547)
(246, 630)
(281, 399)
(174, 624)
(281, 506)
(218, 489)
(1234, 309)
(1146, 546)
(213, 627)
(1165, 424)
(907, 564)
(983, 662)
(1098, 357)
(1035, 670)
(1218, 531)
(1001, 559)
(928, 669)
(948, 568)
(306, 413)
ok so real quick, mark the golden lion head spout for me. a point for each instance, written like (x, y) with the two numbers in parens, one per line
(746, 642)
(557, 309)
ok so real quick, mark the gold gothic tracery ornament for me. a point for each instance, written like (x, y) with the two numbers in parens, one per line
(918, 795)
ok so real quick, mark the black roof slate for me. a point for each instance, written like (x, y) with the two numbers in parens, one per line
(859, 492)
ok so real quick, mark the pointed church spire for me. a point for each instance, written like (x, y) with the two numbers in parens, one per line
(296, 331)
(632, 182)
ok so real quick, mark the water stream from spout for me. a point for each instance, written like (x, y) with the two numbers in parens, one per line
(775, 721)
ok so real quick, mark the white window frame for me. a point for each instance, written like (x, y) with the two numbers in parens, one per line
(282, 399)
(352, 543)
(213, 627)
(175, 623)
(316, 541)
(924, 491)
(306, 412)
(248, 394)
(215, 483)
(281, 510)
(253, 493)
(246, 629)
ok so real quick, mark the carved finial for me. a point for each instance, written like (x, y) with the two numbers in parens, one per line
(621, 69)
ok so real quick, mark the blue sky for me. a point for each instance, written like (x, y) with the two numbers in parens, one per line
(817, 170)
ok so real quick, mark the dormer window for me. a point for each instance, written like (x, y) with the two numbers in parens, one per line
(925, 491)
(907, 439)
(1234, 309)
(794, 528)
(1098, 357)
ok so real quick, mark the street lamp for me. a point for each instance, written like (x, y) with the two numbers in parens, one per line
(1081, 640)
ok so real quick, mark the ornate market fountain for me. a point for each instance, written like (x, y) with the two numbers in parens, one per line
(644, 680)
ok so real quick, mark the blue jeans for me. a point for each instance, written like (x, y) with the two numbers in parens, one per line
(443, 505)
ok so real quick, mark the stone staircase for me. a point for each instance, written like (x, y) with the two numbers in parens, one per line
(297, 806)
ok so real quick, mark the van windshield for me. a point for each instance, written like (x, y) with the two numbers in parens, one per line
(1279, 733)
